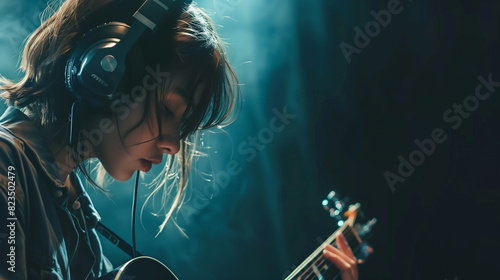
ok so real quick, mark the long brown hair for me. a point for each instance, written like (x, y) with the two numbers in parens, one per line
(194, 48)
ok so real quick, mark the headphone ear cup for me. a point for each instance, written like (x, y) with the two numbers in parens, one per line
(102, 37)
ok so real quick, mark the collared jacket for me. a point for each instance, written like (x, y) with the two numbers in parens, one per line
(40, 238)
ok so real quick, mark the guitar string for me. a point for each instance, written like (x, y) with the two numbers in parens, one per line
(316, 252)
(329, 240)
(317, 265)
(303, 267)
(323, 259)
(321, 266)
(347, 234)
(318, 262)
(317, 272)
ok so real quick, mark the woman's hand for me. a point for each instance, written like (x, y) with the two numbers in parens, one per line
(343, 259)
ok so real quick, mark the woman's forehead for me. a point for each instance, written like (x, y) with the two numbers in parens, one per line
(178, 83)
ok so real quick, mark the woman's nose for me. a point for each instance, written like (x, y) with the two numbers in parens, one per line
(169, 144)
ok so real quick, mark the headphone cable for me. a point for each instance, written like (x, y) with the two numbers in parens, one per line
(134, 201)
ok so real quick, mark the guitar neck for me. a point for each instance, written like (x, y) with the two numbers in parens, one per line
(318, 267)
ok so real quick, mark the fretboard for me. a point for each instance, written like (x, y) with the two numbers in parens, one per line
(316, 266)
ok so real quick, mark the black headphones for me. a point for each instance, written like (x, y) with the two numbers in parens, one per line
(96, 70)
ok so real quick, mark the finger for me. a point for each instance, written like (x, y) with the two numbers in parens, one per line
(344, 246)
(339, 253)
(346, 269)
(346, 249)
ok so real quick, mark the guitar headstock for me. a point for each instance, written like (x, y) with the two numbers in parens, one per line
(337, 207)
(348, 215)
(345, 216)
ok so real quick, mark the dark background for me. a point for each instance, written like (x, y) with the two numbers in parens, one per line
(353, 120)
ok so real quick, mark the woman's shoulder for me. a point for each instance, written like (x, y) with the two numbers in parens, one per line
(23, 158)
(13, 156)
(11, 144)
(11, 147)
(22, 143)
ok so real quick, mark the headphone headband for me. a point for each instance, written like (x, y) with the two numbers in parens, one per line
(96, 70)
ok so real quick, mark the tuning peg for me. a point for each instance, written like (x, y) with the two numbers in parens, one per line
(366, 228)
(336, 207)
(331, 195)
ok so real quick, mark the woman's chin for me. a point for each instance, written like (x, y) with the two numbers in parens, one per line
(122, 176)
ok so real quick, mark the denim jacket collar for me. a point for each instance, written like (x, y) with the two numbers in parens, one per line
(25, 130)
(30, 135)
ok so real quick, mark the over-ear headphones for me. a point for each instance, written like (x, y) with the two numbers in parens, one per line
(97, 71)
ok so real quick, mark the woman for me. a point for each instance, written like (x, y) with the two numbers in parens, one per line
(180, 82)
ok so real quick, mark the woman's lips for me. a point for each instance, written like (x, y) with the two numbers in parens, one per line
(155, 161)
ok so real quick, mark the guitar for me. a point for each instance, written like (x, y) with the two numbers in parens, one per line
(314, 267)
(141, 268)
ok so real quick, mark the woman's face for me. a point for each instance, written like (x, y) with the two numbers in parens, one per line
(145, 145)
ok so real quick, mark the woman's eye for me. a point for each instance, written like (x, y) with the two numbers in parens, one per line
(167, 111)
